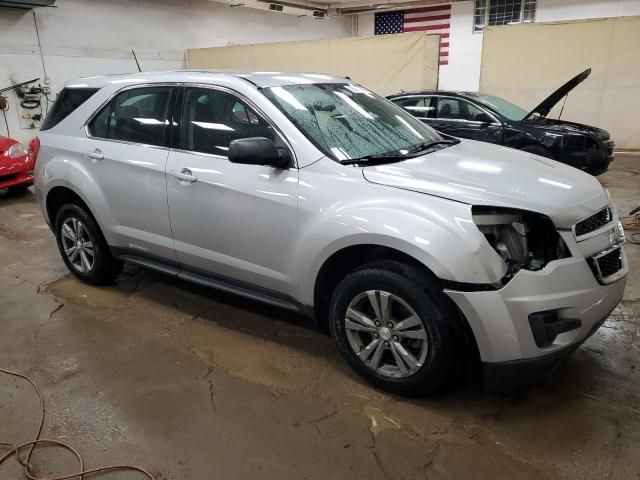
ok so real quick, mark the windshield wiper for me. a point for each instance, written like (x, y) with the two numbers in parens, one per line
(374, 159)
(427, 145)
(392, 158)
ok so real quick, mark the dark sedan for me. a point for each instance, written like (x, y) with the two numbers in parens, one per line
(488, 118)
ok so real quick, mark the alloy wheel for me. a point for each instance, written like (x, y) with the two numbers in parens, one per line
(386, 334)
(78, 245)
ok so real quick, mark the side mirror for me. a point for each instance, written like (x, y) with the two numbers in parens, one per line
(258, 151)
(484, 118)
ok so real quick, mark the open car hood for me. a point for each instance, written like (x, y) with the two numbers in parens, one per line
(548, 103)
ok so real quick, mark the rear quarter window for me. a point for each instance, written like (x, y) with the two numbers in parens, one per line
(68, 100)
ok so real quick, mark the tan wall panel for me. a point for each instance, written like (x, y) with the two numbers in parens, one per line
(525, 63)
(385, 64)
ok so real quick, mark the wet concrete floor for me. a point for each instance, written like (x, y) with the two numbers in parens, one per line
(195, 384)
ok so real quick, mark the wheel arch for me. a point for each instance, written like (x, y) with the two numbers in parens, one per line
(60, 195)
(347, 259)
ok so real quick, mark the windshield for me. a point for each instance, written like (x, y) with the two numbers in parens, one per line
(346, 121)
(503, 107)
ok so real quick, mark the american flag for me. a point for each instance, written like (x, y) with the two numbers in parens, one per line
(434, 19)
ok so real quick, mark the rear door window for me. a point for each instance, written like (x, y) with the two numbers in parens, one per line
(459, 109)
(68, 100)
(138, 115)
(421, 107)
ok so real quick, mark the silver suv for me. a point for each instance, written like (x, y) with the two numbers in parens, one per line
(314, 194)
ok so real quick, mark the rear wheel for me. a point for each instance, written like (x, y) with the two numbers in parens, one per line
(395, 328)
(83, 247)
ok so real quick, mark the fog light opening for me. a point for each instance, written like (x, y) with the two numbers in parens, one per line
(547, 325)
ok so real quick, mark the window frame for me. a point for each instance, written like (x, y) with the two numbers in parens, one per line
(436, 119)
(178, 111)
(170, 114)
(487, 7)
(496, 121)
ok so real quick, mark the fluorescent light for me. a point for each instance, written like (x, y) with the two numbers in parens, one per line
(554, 183)
(288, 98)
(213, 126)
(355, 106)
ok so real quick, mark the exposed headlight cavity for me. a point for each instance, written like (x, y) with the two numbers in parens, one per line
(524, 240)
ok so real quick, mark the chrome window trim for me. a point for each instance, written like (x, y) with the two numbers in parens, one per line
(85, 127)
(607, 226)
(249, 102)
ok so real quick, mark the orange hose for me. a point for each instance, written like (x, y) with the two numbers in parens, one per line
(45, 441)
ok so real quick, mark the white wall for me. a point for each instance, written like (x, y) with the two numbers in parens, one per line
(92, 37)
(559, 10)
(465, 51)
(465, 47)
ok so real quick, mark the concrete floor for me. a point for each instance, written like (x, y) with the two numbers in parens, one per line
(194, 384)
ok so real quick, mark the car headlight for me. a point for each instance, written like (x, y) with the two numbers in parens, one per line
(524, 240)
(17, 150)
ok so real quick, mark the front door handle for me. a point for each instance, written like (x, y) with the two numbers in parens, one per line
(96, 154)
(184, 175)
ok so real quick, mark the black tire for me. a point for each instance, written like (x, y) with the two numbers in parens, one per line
(439, 317)
(104, 267)
(537, 150)
(18, 190)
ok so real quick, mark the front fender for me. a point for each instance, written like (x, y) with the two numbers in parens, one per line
(438, 233)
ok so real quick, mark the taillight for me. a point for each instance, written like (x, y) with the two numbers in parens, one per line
(34, 147)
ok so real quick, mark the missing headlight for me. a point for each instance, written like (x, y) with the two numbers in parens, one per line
(524, 240)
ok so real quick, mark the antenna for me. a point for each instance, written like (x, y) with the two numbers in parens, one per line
(136, 59)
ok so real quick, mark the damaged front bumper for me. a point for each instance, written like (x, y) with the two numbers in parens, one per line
(524, 329)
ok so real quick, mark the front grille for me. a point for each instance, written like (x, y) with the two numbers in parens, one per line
(606, 264)
(610, 263)
(593, 223)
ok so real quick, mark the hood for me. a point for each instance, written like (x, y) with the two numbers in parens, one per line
(480, 173)
(562, 126)
(548, 103)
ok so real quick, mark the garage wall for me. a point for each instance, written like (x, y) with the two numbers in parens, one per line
(92, 37)
(465, 47)
(550, 54)
(410, 60)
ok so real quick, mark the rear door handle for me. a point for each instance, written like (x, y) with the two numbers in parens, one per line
(184, 175)
(96, 154)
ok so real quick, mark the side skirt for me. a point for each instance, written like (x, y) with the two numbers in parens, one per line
(225, 284)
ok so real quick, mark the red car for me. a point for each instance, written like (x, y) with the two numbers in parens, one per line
(17, 163)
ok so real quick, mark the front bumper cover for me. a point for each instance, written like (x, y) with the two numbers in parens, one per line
(512, 376)
(499, 319)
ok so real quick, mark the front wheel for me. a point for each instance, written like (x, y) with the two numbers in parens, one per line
(396, 329)
(83, 247)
